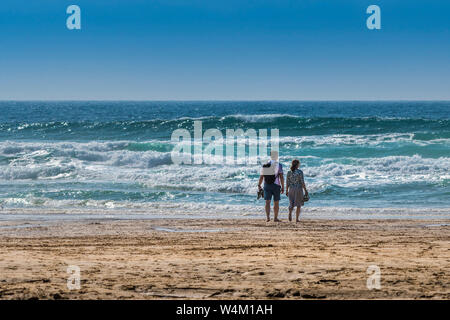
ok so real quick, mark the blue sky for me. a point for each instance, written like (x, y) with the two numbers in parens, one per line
(225, 50)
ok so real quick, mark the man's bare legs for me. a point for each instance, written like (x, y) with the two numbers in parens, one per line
(268, 210)
(276, 209)
(297, 214)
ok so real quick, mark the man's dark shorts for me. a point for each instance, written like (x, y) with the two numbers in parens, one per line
(272, 190)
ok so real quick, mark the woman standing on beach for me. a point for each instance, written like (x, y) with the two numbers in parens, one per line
(295, 184)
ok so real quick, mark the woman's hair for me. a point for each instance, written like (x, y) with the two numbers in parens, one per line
(295, 164)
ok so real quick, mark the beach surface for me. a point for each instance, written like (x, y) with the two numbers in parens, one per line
(225, 259)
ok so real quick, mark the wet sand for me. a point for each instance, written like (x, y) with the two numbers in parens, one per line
(225, 259)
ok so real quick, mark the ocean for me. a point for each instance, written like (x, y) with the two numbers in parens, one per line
(71, 160)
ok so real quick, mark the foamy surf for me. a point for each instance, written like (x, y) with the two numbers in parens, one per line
(84, 156)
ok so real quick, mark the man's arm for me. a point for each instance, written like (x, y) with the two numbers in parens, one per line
(282, 182)
(261, 178)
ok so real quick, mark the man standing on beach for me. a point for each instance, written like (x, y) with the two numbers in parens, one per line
(272, 174)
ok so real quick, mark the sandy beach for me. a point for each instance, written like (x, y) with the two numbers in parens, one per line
(225, 259)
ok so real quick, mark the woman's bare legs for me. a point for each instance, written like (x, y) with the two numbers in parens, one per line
(297, 214)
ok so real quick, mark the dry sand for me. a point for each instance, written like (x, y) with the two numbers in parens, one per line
(225, 259)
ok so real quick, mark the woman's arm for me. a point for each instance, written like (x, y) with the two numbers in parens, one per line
(303, 184)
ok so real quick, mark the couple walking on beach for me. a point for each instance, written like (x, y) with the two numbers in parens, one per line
(272, 175)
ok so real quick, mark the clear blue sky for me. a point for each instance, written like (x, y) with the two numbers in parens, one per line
(226, 50)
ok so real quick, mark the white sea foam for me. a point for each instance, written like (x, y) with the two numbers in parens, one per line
(260, 118)
(107, 161)
(112, 162)
(94, 150)
(360, 140)
(355, 173)
(393, 169)
(372, 140)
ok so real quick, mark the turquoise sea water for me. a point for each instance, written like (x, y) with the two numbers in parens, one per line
(366, 158)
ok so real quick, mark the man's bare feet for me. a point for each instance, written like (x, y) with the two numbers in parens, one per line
(297, 221)
(268, 220)
(277, 220)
